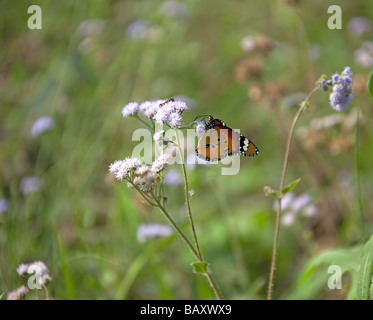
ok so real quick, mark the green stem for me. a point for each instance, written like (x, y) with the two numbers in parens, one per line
(186, 187)
(282, 182)
(147, 124)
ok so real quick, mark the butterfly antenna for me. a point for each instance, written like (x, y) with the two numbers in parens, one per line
(203, 116)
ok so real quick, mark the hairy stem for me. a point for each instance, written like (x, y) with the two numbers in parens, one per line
(282, 182)
(186, 187)
(199, 255)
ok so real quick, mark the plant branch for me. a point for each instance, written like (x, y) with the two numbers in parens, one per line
(279, 197)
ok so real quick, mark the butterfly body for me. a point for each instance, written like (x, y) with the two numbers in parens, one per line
(219, 141)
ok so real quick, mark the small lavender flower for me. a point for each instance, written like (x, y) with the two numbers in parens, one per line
(121, 168)
(29, 185)
(335, 78)
(18, 293)
(143, 169)
(31, 268)
(172, 178)
(41, 125)
(174, 120)
(291, 205)
(285, 201)
(364, 55)
(39, 268)
(4, 205)
(300, 202)
(158, 135)
(200, 128)
(169, 113)
(324, 82)
(160, 163)
(149, 108)
(347, 71)
(130, 109)
(149, 231)
(341, 95)
(138, 29)
(358, 26)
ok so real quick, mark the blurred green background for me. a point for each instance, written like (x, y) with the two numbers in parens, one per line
(92, 57)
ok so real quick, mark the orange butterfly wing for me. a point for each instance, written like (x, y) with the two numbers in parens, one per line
(220, 141)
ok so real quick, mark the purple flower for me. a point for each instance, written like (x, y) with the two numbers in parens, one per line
(174, 120)
(200, 128)
(358, 26)
(172, 177)
(300, 202)
(364, 55)
(160, 163)
(149, 108)
(347, 71)
(342, 95)
(169, 113)
(324, 82)
(138, 29)
(130, 109)
(29, 185)
(158, 135)
(335, 78)
(4, 205)
(42, 124)
(155, 230)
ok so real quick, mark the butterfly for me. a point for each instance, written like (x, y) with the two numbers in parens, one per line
(219, 141)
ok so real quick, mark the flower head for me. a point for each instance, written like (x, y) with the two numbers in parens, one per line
(121, 168)
(200, 128)
(341, 95)
(18, 293)
(4, 205)
(29, 185)
(149, 108)
(130, 109)
(358, 26)
(41, 125)
(158, 135)
(160, 163)
(172, 178)
(148, 231)
(292, 205)
(138, 29)
(39, 268)
(364, 55)
(335, 78)
(169, 112)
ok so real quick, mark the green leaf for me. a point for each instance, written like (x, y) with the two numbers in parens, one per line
(370, 84)
(199, 267)
(290, 186)
(314, 276)
(365, 272)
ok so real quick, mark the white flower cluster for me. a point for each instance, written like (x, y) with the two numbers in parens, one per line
(162, 111)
